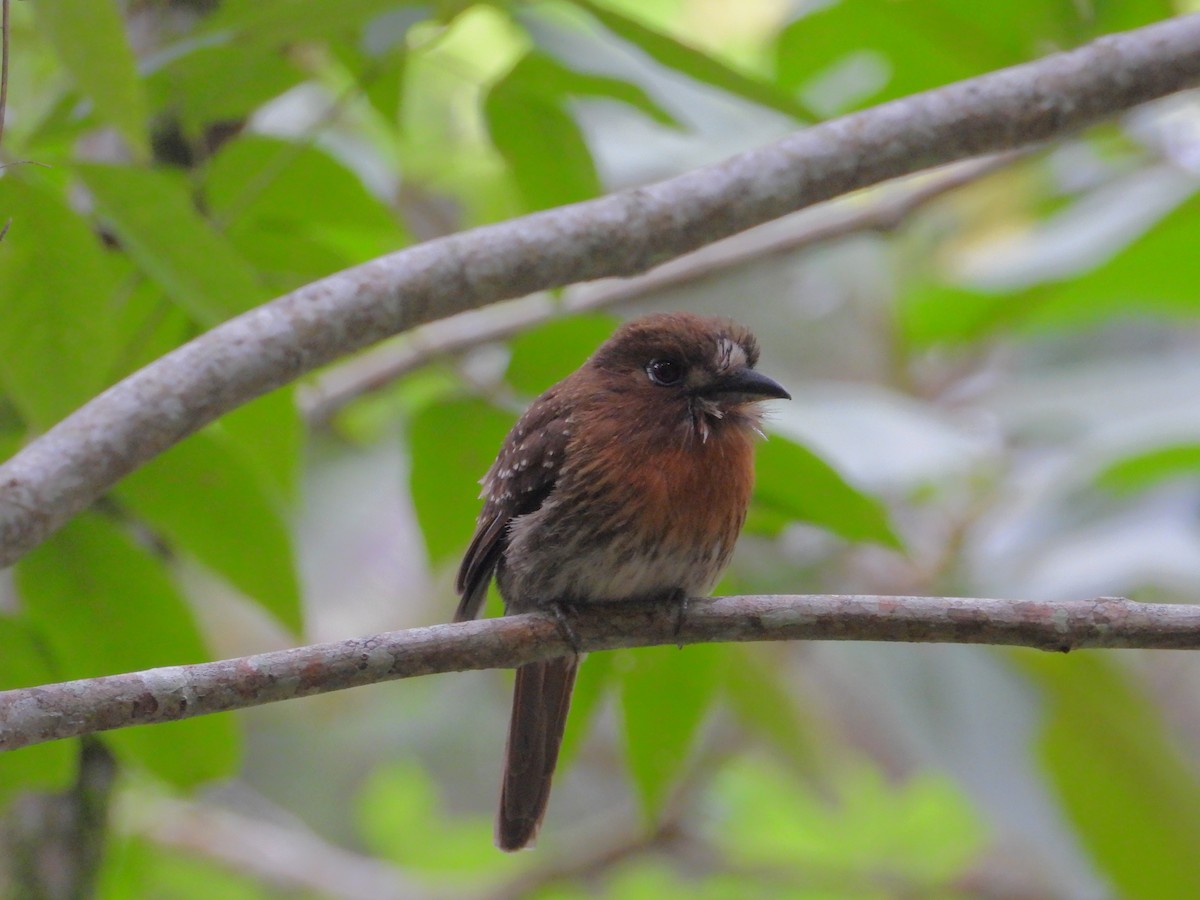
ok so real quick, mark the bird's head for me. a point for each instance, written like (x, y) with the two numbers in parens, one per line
(685, 365)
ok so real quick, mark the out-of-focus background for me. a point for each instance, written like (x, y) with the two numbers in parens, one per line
(996, 386)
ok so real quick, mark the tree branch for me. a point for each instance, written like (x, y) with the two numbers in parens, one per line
(71, 465)
(342, 385)
(73, 708)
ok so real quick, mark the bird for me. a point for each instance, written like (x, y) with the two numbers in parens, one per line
(628, 480)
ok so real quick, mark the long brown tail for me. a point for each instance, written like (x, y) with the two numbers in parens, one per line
(541, 699)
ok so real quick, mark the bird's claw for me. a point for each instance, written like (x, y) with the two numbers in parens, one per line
(680, 599)
(559, 610)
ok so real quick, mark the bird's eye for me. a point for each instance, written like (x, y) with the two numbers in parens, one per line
(665, 371)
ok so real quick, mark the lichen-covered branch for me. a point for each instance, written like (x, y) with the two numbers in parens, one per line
(36, 714)
(369, 372)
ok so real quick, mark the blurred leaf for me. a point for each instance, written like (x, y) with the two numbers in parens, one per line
(547, 75)
(149, 324)
(758, 696)
(385, 89)
(920, 44)
(103, 606)
(239, 531)
(935, 313)
(666, 693)
(42, 767)
(550, 160)
(278, 22)
(794, 481)
(269, 433)
(596, 675)
(58, 337)
(173, 244)
(695, 64)
(549, 353)
(922, 833)
(145, 867)
(401, 818)
(220, 82)
(372, 416)
(532, 128)
(1134, 800)
(1145, 470)
(10, 443)
(873, 52)
(89, 38)
(278, 196)
(884, 52)
(1106, 16)
(1141, 279)
(452, 446)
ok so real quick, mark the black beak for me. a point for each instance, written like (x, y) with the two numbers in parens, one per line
(746, 385)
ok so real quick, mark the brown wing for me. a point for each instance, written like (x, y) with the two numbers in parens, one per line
(518, 483)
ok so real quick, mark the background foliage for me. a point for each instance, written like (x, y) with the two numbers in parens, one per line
(997, 398)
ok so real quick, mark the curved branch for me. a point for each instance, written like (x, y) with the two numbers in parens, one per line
(71, 465)
(373, 371)
(73, 708)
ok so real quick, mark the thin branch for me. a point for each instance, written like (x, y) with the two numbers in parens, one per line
(73, 708)
(283, 857)
(624, 234)
(55, 842)
(376, 370)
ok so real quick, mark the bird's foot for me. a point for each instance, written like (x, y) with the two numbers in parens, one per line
(681, 602)
(559, 609)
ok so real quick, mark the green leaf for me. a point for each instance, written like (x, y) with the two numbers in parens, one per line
(665, 695)
(1106, 16)
(172, 243)
(42, 767)
(549, 353)
(136, 866)
(548, 76)
(1132, 796)
(893, 49)
(400, 816)
(278, 22)
(148, 324)
(923, 832)
(238, 530)
(278, 197)
(220, 82)
(10, 443)
(1145, 470)
(550, 160)
(794, 481)
(761, 701)
(592, 685)
(103, 605)
(452, 446)
(531, 127)
(1141, 279)
(695, 64)
(55, 304)
(269, 433)
(89, 38)
(934, 313)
